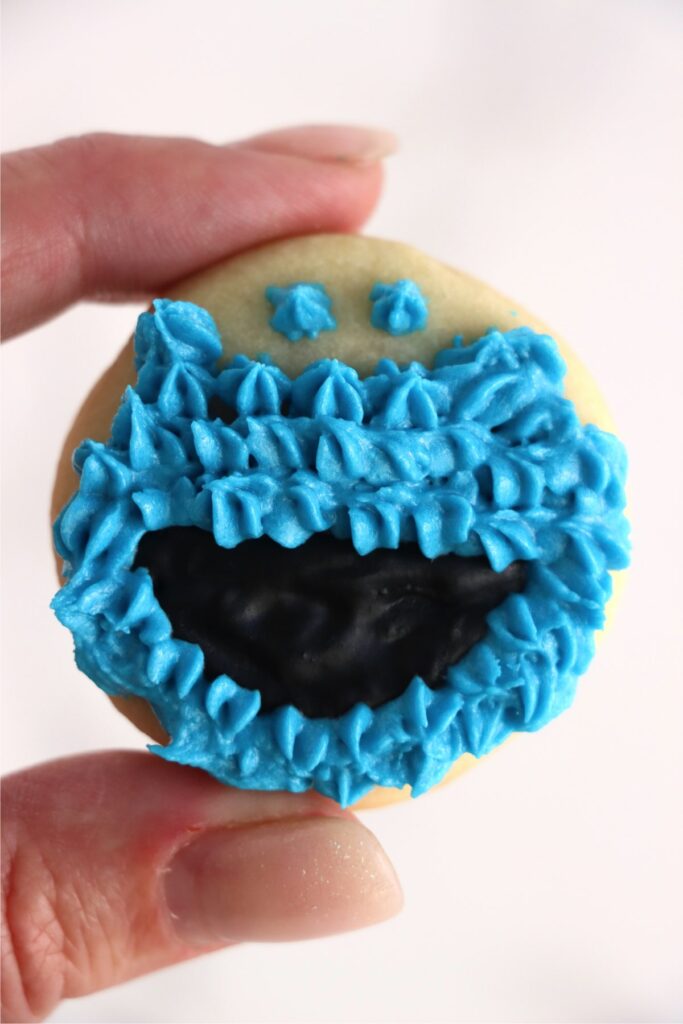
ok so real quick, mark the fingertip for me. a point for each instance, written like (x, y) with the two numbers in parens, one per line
(203, 865)
(367, 195)
(279, 881)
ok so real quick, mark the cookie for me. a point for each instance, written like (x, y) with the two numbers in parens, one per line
(353, 524)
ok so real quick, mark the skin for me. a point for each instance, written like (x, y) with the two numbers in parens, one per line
(234, 293)
(101, 880)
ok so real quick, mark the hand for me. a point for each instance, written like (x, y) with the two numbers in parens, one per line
(117, 863)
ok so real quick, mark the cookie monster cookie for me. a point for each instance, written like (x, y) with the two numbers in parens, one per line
(345, 518)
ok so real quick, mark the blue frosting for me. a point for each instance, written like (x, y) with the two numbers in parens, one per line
(301, 310)
(398, 308)
(479, 454)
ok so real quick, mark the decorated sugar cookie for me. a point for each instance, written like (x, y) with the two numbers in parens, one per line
(352, 524)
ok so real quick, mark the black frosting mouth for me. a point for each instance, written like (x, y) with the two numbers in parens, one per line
(320, 626)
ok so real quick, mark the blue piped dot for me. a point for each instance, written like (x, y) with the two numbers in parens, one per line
(398, 308)
(301, 310)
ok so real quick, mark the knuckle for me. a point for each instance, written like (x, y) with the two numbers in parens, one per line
(33, 956)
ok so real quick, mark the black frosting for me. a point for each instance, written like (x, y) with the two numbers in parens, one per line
(320, 626)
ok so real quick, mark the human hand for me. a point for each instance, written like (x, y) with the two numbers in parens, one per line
(117, 863)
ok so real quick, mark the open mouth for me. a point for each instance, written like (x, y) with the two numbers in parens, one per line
(319, 626)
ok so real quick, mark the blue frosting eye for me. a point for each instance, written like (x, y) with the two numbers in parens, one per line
(301, 310)
(398, 308)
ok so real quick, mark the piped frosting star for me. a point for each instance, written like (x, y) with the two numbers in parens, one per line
(301, 310)
(398, 308)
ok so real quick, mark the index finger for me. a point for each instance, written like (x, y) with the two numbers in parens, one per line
(110, 216)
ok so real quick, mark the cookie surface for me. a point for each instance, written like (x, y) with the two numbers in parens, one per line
(349, 268)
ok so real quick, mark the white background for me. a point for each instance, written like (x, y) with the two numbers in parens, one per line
(541, 152)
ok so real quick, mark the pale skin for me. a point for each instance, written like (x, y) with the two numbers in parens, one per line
(102, 879)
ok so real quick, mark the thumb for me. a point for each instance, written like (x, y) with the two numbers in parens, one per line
(116, 864)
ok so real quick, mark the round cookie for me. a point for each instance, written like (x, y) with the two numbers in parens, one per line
(235, 294)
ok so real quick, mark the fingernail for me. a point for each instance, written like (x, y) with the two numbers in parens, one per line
(328, 143)
(293, 879)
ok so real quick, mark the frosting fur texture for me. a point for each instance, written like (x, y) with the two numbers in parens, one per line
(479, 455)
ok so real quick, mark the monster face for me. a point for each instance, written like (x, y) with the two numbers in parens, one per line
(328, 580)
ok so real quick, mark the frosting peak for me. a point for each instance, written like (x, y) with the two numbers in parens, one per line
(301, 310)
(398, 308)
